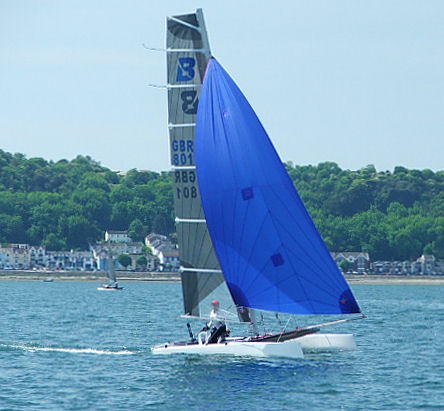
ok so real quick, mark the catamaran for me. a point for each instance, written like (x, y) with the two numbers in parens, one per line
(241, 224)
(111, 284)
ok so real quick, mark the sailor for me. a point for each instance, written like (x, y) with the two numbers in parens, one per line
(217, 326)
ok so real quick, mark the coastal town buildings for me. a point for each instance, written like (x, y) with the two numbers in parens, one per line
(162, 247)
(14, 256)
(169, 259)
(359, 262)
(160, 254)
(115, 236)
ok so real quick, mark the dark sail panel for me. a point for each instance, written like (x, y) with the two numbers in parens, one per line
(271, 253)
(187, 56)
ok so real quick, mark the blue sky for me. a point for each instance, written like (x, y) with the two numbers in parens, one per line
(354, 82)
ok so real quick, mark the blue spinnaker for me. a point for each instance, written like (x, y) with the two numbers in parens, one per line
(271, 254)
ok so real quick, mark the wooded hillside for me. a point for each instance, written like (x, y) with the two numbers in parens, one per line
(69, 204)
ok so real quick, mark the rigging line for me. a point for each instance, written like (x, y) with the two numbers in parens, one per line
(284, 329)
(344, 320)
(152, 48)
(157, 85)
(263, 323)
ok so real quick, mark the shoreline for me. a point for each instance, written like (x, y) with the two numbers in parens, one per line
(396, 279)
(93, 276)
(130, 276)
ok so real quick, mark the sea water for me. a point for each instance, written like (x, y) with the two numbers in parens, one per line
(66, 345)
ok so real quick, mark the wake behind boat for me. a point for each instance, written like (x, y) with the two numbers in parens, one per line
(241, 225)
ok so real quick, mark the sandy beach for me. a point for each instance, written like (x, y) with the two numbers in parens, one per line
(27, 275)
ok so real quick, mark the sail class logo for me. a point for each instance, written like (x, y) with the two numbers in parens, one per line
(185, 69)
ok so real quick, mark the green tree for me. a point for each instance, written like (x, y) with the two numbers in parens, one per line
(147, 250)
(142, 261)
(163, 224)
(124, 260)
(111, 177)
(136, 230)
(344, 265)
(53, 243)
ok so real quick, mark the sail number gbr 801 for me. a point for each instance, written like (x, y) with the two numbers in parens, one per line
(183, 152)
(186, 184)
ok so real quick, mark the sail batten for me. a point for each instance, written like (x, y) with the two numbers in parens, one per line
(271, 254)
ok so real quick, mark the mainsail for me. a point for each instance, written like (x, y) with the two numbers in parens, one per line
(111, 273)
(188, 52)
(271, 254)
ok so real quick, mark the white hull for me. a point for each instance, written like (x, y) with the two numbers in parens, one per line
(109, 289)
(313, 343)
(327, 342)
(288, 349)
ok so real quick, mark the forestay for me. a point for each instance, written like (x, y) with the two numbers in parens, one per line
(271, 253)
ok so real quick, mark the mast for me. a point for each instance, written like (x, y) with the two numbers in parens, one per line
(188, 52)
